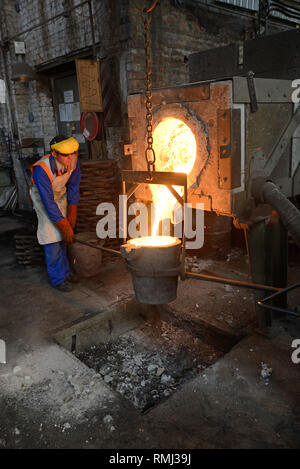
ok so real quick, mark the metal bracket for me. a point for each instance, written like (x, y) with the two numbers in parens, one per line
(128, 149)
(295, 155)
(157, 177)
(252, 92)
(176, 195)
(224, 144)
(132, 190)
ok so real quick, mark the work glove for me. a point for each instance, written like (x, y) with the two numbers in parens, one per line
(66, 230)
(72, 215)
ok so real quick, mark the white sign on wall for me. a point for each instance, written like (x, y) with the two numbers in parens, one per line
(2, 91)
(68, 96)
(19, 47)
(69, 112)
(63, 113)
(76, 111)
(79, 138)
(2, 351)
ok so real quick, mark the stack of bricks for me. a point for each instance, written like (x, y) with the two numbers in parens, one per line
(27, 249)
(100, 182)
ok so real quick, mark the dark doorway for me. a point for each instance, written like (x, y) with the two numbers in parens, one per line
(67, 108)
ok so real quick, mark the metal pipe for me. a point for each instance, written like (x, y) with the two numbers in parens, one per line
(92, 28)
(185, 195)
(238, 283)
(111, 251)
(124, 211)
(289, 214)
(283, 290)
(271, 297)
(275, 308)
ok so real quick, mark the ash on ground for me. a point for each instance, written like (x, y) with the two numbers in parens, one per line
(148, 364)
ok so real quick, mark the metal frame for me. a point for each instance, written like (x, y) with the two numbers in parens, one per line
(168, 179)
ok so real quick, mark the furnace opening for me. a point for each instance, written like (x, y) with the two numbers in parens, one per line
(175, 148)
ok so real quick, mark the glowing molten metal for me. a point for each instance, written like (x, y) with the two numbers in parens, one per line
(175, 149)
(153, 241)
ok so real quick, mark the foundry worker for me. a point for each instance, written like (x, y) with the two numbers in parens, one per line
(55, 194)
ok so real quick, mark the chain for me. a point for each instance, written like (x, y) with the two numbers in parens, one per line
(145, 10)
(149, 153)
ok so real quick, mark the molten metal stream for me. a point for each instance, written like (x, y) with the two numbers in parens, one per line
(175, 149)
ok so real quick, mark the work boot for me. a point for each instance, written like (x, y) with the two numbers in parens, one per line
(64, 286)
(73, 278)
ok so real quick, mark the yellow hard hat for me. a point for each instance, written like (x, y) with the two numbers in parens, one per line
(67, 146)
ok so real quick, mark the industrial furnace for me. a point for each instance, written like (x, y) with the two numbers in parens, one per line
(210, 128)
(237, 140)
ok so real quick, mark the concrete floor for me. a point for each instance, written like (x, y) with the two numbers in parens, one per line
(49, 399)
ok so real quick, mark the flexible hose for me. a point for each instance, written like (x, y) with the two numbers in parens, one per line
(289, 214)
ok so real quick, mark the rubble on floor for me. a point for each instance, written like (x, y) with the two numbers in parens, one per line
(149, 364)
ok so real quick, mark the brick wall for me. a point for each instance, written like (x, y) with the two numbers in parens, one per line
(33, 105)
(175, 33)
(119, 33)
(60, 37)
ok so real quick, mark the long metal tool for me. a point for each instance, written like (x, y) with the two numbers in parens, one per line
(229, 281)
(213, 278)
(187, 274)
(275, 308)
(111, 251)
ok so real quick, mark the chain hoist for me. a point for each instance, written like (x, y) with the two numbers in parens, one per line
(149, 152)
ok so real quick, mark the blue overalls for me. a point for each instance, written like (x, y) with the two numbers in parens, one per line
(51, 192)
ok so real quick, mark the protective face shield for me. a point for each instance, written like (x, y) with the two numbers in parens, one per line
(65, 150)
(64, 145)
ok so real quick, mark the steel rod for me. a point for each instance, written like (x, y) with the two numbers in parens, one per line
(183, 231)
(124, 211)
(132, 191)
(164, 178)
(176, 195)
(92, 29)
(283, 290)
(238, 283)
(275, 308)
(111, 251)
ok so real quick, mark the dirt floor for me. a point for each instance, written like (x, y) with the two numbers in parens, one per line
(95, 369)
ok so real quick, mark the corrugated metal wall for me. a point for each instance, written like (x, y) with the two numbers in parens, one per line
(247, 4)
(254, 6)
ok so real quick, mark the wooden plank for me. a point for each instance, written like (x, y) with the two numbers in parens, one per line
(96, 150)
(88, 76)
